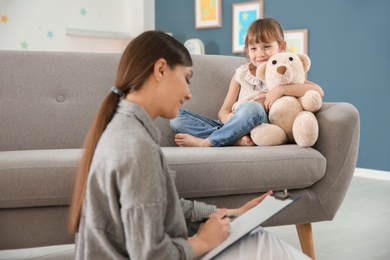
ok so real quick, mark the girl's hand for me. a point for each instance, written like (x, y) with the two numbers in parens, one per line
(272, 96)
(229, 116)
(248, 205)
(260, 98)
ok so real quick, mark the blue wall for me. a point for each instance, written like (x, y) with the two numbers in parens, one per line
(349, 44)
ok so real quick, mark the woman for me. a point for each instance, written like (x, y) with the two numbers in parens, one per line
(125, 203)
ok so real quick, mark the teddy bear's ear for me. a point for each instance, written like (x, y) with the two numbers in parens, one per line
(306, 62)
(260, 71)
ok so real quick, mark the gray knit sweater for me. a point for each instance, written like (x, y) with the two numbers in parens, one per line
(131, 208)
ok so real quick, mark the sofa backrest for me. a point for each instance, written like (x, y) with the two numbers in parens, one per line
(48, 100)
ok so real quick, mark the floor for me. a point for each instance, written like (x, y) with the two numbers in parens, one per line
(360, 230)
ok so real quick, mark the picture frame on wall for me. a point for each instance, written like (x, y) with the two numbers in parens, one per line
(296, 40)
(208, 14)
(243, 15)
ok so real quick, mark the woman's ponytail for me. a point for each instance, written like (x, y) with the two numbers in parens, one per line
(104, 116)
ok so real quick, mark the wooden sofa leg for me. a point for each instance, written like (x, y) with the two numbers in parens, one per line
(306, 239)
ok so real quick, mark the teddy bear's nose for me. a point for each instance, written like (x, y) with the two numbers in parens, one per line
(281, 69)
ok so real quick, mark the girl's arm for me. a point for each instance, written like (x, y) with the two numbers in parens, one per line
(225, 113)
(295, 90)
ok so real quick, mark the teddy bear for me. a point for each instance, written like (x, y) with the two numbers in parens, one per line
(291, 119)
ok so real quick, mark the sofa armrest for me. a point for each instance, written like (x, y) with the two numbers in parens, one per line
(338, 141)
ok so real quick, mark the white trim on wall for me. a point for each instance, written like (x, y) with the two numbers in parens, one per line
(98, 34)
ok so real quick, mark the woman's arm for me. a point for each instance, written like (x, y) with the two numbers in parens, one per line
(194, 213)
(295, 90)
(225, 113)
(150, 218)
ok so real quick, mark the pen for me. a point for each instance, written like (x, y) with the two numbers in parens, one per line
(227, 216)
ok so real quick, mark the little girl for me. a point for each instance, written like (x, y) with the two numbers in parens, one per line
(264, 38)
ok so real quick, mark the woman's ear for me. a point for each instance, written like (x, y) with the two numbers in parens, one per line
(160, 67)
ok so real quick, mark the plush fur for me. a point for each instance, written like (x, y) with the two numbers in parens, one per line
(291, 119)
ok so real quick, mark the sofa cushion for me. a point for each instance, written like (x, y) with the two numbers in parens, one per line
(45, 177)
(36, 178)
(207, 172)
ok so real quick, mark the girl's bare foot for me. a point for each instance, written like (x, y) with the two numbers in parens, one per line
(244, 141)
(187, 140)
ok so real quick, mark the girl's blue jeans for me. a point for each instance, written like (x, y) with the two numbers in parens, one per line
(246, 117)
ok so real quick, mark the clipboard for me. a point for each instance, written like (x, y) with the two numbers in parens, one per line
(253, 218)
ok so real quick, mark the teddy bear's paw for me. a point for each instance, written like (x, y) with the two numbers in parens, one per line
(311, 101)
(305, 129)
(268, 135)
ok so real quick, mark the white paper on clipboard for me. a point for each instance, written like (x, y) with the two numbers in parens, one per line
(251, 220)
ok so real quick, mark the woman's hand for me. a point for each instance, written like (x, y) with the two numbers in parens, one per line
(216, 229)
(212, 233)
(248, 205)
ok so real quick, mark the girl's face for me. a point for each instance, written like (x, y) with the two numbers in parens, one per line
(261, 52)
(175, 91)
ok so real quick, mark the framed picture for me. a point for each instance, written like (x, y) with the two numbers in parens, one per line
(208, 14)
(297, 41)
(243, 15)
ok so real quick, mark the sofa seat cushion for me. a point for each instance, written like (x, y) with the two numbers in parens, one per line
(208, 172)
(45, 177)
(35, 178)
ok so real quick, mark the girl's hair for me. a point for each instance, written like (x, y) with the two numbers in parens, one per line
(264, 30)
(136, 64)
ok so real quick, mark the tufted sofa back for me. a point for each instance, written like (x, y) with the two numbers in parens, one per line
(48, 100)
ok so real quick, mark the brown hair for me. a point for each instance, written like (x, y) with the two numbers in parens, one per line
(264, 30)
(136, 64)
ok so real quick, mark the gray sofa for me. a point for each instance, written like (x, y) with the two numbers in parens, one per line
(49, 99)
